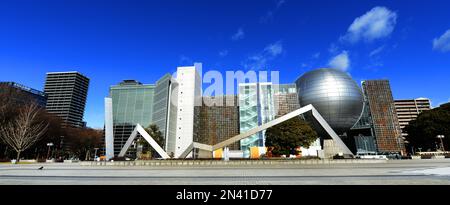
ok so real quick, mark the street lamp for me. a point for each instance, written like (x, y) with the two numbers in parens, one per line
(442, 143)
(49, 145)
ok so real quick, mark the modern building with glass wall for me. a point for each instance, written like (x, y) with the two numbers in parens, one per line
(256, 107)
(165, 110)
(169, 104)
(21, 94)
(385, 124)
(362, 132)
(183, 116)
(132, 103)
(66, 96)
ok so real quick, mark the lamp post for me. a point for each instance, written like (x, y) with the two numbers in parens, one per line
(442, 143)
(49, 145)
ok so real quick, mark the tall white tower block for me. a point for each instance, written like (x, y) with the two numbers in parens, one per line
(109, 129)
(189, 95)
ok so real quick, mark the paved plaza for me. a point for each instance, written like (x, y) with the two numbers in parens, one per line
(393, 172)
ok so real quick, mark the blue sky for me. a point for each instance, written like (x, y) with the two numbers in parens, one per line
(407, 42)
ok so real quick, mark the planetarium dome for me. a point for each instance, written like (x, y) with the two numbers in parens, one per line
(335, 95)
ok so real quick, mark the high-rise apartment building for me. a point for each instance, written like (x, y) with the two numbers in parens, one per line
(66, 96)
(20, 94)
(385, 124)
(408, 110)
(131, 103)
(217, 123)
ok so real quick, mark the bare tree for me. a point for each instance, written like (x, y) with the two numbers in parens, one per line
(24, 130)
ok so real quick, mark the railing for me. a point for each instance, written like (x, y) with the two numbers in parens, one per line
(437, 153)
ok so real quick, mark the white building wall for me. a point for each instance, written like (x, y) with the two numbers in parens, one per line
(313, 150)
(189, 93)
(109, 129)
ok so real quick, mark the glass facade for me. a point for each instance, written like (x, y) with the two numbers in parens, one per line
(132, 104)
(161, 103)
(285, 88)
(165, 110)
(365, 144)
(256, 107)
(266, 105)
(248, 115)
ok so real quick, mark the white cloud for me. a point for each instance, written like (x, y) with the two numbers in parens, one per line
(260, 60)
(274, 49)
(280, 3)
(223, 53)
(316, 55)
(376, 51)
(341, 61)
(377, 23)
(238, 35)
(268, 17)
(443, 42)
(333, 48)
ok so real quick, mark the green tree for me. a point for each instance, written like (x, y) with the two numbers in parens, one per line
(286, 136)
(422, 132)
(156, 134)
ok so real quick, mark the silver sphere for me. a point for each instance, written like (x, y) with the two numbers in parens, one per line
(334, 94)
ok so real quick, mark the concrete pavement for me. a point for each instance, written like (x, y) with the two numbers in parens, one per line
(392, 172)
